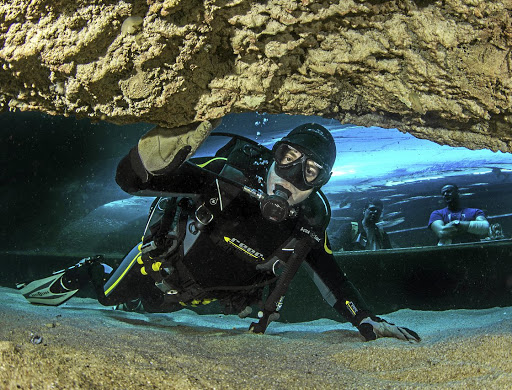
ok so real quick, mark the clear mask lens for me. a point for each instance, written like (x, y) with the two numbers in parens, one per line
(287, 155)
(311, 170)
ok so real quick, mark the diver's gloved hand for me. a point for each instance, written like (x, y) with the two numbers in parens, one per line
(372, 328)
(163, 150)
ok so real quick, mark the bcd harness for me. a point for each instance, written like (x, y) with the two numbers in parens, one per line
(173, 226)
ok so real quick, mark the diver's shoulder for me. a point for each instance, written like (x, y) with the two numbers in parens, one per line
(316, 210)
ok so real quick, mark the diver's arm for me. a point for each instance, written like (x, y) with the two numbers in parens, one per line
(344, 297)
(335, 287)
(186, 180)
(155, 166)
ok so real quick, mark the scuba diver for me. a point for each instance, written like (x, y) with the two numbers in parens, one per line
(456, 224)
(234, 227)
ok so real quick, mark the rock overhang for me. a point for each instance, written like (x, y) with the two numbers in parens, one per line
(439, 70)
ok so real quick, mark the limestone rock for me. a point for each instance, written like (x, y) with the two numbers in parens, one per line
(437, 69)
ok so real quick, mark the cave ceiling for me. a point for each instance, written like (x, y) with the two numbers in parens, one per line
(439, 70)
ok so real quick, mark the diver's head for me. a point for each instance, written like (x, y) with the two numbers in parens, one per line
(450, 194)
(303, 162)
(372, 211)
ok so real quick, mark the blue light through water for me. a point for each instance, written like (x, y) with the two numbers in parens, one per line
(371, 156)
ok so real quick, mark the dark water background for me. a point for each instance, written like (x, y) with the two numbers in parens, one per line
(60, 203)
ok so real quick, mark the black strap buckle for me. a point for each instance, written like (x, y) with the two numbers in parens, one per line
(203, 215)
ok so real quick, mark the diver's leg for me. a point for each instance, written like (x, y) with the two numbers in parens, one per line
(111, 287)
(87, 269)
(124, 283)
(57, 288)
(130, 290)
(126, 287)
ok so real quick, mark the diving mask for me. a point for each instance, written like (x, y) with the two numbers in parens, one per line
(297, 167)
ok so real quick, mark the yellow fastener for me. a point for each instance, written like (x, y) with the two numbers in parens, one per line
(156, 266)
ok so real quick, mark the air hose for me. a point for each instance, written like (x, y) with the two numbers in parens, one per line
(274, 300)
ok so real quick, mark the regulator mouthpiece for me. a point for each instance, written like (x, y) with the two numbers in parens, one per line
(275, 207)
(282, 192)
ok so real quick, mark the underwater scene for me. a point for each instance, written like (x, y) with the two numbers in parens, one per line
(62, 204)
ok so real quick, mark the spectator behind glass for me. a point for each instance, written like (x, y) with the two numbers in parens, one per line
(364, 234)
(456, 224)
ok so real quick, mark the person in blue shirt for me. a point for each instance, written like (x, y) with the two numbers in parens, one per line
(456, 224)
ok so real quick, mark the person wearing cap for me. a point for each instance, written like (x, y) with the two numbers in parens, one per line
(456, 224)
(231, 226)
(365, 234)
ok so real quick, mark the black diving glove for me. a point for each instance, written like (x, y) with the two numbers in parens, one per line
(372, 328)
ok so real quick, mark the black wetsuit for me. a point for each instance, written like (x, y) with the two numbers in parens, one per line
(238, 237)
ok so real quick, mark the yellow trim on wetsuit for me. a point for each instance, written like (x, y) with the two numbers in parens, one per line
(326, 248)
(209, 161)
(122, 275)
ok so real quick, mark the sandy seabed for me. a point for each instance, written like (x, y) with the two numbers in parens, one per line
(82, 345)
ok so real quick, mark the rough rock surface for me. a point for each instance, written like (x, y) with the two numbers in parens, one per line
(438, 69)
